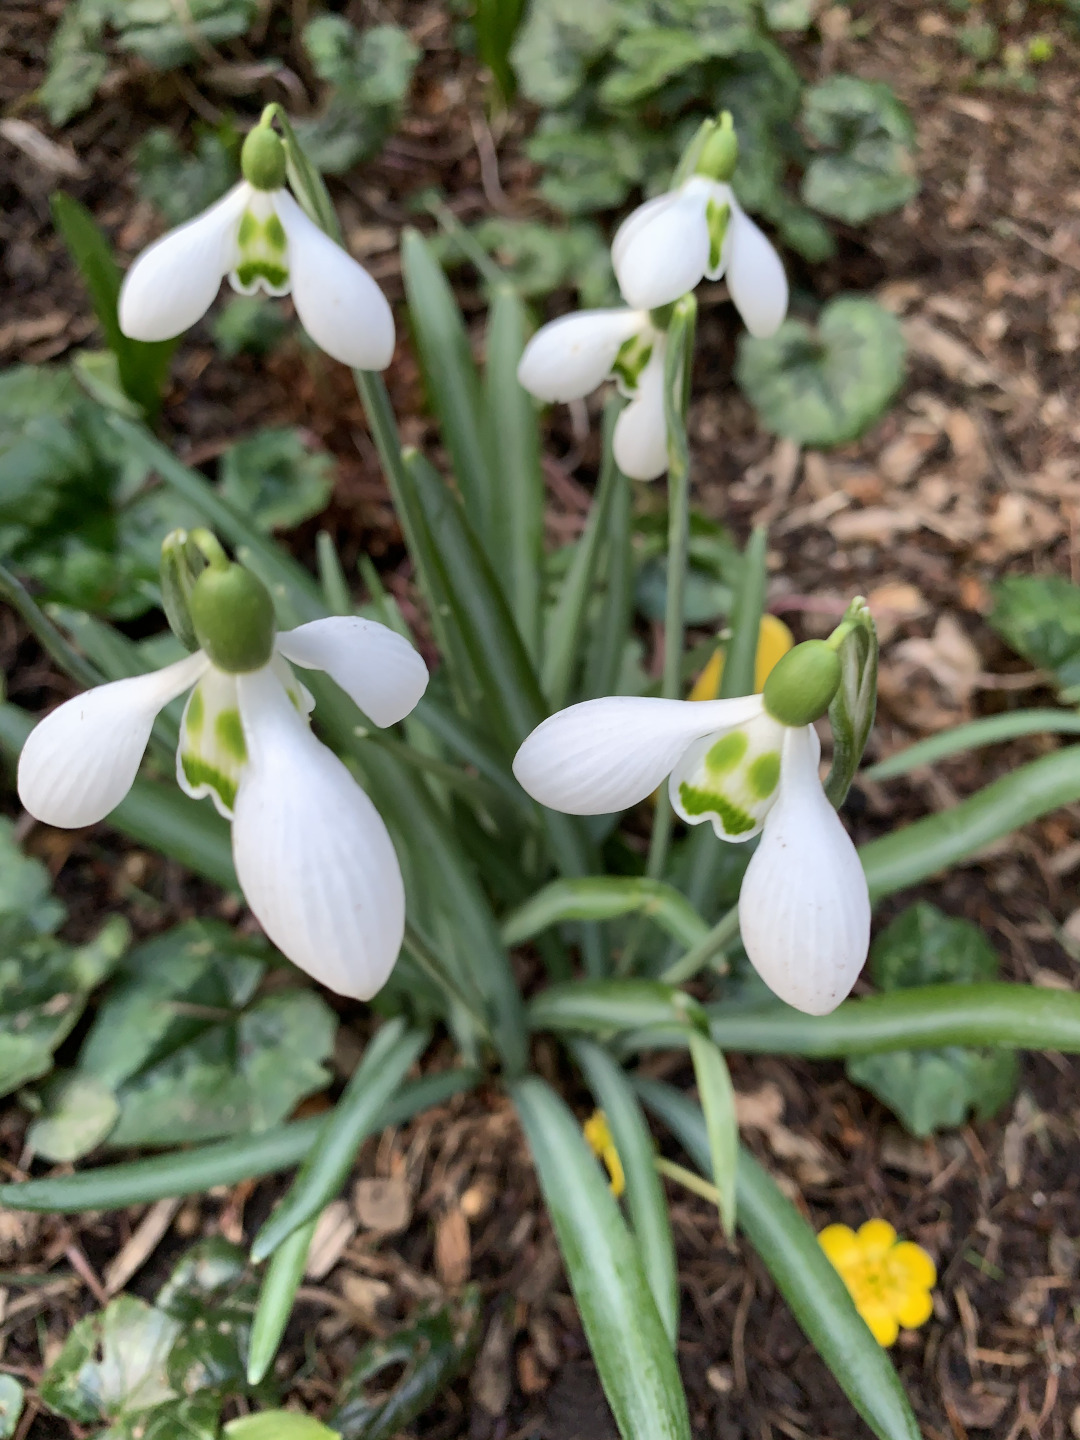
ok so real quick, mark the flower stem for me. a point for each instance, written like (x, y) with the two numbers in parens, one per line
(687, 1179)
(677, 367)
(714, 943)
(435, 970)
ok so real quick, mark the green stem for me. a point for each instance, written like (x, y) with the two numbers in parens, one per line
(687, 1179)
(677, 367)
(45, 632)
(722, 934)
(433, 967)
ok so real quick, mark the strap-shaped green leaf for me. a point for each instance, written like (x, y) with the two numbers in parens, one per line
(721, 1123)
(644, 1193)
(386, 1062)
(605, 897)
(143, 366)
(225, 1162)
(279, 1287)
(614, 612)
(604, 1007)
(803, 1275)
(625, 1333)
(453, 384)
(917, 851)
(517, 492)
(989, 730)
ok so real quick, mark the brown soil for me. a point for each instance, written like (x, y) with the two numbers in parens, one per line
(972, 475)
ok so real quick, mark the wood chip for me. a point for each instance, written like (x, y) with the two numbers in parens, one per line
(383, 1205)
(45, 153)
(335, 1228)
(491, 1381)
(955, 359)
(453, 1251)
(145, 1239)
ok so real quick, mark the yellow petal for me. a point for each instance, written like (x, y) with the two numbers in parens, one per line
(876, 1237)
(916, 1308)
(840, 1245)
(707, 684)
(910, 1267)
(596, 1132)
(883, 1324)
(615, 1170)
(774, 641)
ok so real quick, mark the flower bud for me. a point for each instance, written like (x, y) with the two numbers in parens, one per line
(262, 159)
(233, 616)
(720, 152)
(802, 684)
(181, 565)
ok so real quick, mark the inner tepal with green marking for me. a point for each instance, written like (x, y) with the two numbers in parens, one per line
(262, 250)
(730, 779)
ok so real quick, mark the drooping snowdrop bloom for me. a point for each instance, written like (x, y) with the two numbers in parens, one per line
(749, 766)
(260, 237)
(569, 358)
(313, 857)
(667, 246)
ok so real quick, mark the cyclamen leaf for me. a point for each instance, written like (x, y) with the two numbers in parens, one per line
(113, 1364)
(872, 171)
(1039, 616)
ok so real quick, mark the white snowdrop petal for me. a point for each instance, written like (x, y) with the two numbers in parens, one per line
(573, 355)
(666, 253)
(635, 222)
(639, 441)
(173, 283)
(313, 857)
(804, 909)
(755, 276)
(608, 754)
(80, 761)
(377, 668)
(339, 304)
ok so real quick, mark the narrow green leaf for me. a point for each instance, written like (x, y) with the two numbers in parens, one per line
(975, 735)
(812, 1288)
(740, 654)
(44, 631)
(451, 379)
(604, 1007)
(644, 1192)
(385, 1064)
(605, 897)
(517, 495)
(226, 1162)
(721, 1123)
(496, 24)
(279, 1287)
(144, 367)
(625, 1333)
(278, 1425)
(566, 626)
(917, 851)
(613, 625)
(334, 586)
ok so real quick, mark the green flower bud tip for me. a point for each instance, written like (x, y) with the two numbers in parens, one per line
(801, 685)
(233, 616)
(720, 153)
(262, 159)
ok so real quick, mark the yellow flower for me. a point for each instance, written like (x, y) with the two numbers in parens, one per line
(890, 1280)
(598, 1138)
(774, 641)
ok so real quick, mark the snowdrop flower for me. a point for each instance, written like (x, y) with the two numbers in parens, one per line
(668, 245)
(569, 358)
(260, 237)
(313, 857)
(749, 766)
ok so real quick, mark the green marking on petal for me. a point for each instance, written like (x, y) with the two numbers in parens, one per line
(197, 772)
(262, 248)
(248, 231)
(195, 713)
(727, 752)
(633, 356)
(275, 234)
(764, 773)
(697, 801)
(250, 271)
(229, 734)
(717, 215)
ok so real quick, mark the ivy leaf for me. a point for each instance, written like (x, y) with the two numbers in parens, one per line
(182, 185)
(1039, 616)
(113, 1364)
(80, 1110)
(44, 987)
(276, 479)
(872, 170)
(825, 386)
(933, 1089)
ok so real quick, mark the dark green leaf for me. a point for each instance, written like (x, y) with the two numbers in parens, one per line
(1039, 616)
(26, 901)
(113, 1364)
(276, 479)
(183, 184)
(937, 1089)
(369, 74)
(826, 386)
(77, 63)
(249, 325)
(80, 1110)
(278, 1425)
(426, 1356)
(555, 44)
(872, 170)
(923, 946)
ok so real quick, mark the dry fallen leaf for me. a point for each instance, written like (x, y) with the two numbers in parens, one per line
(383, 1205)
(453, 1252)
(335, 1228)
